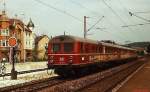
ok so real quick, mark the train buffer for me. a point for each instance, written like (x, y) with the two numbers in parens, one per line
(138, 82)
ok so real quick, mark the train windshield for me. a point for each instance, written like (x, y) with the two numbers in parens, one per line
(56, 47)
(68, 47)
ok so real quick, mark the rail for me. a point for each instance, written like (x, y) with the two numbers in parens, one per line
(32, 85)
(108, 79)
(24, 72)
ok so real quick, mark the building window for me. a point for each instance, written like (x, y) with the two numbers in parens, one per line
(26, 33)
(4, 43)
(4, 32)
(7, 32)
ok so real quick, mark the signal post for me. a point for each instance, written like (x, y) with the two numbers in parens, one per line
(12, 41)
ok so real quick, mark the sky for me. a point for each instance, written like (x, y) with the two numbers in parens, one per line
(54, 17)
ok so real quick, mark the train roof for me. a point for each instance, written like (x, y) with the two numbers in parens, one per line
(116, 45)
(75, 38)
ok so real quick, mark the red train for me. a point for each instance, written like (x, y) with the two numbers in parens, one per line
(72, 55)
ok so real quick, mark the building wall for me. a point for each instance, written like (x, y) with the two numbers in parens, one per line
(28, 45)
(4, 36)
(23, 34)
(41, 55)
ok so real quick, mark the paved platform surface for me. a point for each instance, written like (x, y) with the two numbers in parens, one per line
(26, 66)
(140, 82)
(6, 81)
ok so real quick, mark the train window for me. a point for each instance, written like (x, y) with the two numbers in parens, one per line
(68, 47)
(100, 49)
(97, 49)
(56, 47)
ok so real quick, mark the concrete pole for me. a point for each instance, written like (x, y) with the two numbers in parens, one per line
(85, 31)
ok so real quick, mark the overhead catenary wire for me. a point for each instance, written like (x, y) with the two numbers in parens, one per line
(114, 12)
(142, 12)
(58, 10)
(95, 23)
(117, 17)
(86, 8)
(110, 32)
(125, 9)
(135, 25)
(82, 6)
(132, 14)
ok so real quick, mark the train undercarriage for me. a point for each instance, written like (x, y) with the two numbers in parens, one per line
(81, 70)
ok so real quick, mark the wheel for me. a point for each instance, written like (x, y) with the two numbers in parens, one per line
(60, 72)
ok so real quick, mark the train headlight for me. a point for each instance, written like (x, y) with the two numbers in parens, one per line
(82, 58)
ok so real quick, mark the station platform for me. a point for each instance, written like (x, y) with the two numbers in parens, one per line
(140, 81)
(26, 66)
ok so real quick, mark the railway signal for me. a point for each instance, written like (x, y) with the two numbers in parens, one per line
(12, 42)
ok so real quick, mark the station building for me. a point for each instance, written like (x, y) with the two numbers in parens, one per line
(24, 34)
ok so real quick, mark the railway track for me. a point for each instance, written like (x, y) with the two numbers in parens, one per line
(33, 86)
(108, 79)
(24, 72)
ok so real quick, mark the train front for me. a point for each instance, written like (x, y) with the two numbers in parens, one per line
(61, 53)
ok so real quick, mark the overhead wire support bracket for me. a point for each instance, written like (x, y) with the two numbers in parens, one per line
(95, 23)
(86, 30)
(132, 14)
